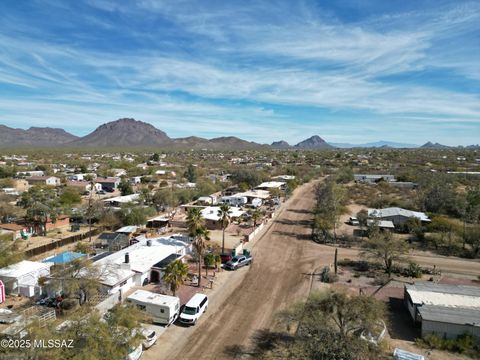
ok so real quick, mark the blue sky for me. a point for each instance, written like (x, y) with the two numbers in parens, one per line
(349, 71)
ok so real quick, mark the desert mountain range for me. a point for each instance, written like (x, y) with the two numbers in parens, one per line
(128, 132)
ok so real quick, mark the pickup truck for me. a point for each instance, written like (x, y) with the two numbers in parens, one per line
(238, 261)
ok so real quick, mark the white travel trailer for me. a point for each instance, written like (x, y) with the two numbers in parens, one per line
(234, 200)
(163, 309)
(256, 202)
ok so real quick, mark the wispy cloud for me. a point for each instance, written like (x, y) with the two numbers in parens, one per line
(256, 68)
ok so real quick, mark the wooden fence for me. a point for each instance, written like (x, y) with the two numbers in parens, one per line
(59, 243)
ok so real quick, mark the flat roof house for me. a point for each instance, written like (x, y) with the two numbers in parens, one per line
(284, 178)
(22, 278)
(255, 194)
(43, 180)
(271, 185)
(120, 200)
(31, 173)
(140, 258)
(212, 219)
(15, 229)
(158, 222)
(445, 310)
(84, 185)
(109, 183)
(373, 178)
(397, 215)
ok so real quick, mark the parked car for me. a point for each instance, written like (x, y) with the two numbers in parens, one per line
(238, 261)
(226, 257)
(353, 221)
(193, 309)
(101, 192)
(150, 337)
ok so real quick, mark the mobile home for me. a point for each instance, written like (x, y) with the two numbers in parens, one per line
(163, 309)
(234, 200)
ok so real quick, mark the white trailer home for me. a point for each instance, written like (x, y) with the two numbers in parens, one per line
(234, 200)
(163, 309)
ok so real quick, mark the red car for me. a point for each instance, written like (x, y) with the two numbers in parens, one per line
(226, 257)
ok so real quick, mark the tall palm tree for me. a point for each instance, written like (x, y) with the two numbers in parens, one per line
(194, 220)
(199, 244)
(199, 233)
(224, 214)
(175, 274)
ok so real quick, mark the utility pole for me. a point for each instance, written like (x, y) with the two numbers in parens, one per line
(90, 198)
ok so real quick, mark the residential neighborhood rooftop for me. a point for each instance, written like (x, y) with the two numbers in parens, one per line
(22, 268)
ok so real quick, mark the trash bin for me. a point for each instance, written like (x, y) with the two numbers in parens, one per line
(246, 252)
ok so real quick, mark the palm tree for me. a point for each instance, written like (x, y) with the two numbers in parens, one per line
(256, 215)
(224, 214)
(199, 244)
(199, 233)
(175, 274)
(194, 220)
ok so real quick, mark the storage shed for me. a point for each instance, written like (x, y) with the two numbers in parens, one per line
(449, 323)
(445, 310)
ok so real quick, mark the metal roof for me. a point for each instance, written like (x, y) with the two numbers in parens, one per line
(260, 194)
(127, 229)
(381, 223)
(396, 211)
(271, 184)
(459, 296)
(450, 315)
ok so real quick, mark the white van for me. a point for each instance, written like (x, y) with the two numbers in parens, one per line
(192, 310)
(162, 308)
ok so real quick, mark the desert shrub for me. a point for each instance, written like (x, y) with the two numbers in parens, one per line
(362, 266)
(413, 270)
(464, 344)
(327, 276)
(346, 262)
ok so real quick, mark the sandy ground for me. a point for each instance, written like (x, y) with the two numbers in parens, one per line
(231, 239)
(284, 260)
